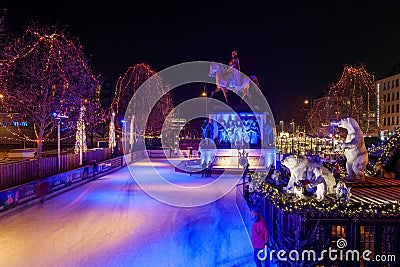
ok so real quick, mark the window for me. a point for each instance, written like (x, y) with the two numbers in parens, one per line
(388, 97)
(338, 232)
(392, 120)
(384, 98)
(384, 86)
(388, 241)
(393, 108)
(320, 233)
(388, 110)
(367, 240)
(397, 108)
(397, 82)
(393, 96)
(393, 84)
(397, 120)
(388, 85)
(384, 121)
(397, 95)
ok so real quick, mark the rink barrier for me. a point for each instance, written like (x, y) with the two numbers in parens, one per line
(243, 208)
(20, 172)
(166, 153)
(32, 192)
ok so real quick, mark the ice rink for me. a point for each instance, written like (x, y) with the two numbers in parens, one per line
(112, 222)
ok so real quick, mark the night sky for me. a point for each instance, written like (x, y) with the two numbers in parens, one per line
(295, 49)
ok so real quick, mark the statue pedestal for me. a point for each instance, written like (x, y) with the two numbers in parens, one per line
(207, 154)
(257, 158)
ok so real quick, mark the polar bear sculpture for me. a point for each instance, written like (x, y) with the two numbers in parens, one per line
(301, 168)
(354, 149)
(343, 192)
(319, 182)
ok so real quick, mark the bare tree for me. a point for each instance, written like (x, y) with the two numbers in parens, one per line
(354, 95)
(126, 87)
(3, 43)
(47, 75)
(95, 115)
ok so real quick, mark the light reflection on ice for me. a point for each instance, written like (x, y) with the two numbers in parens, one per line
(112, 222)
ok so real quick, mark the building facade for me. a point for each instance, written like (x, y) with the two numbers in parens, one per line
(388, 90)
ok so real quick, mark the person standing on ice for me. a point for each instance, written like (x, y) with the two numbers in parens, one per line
(259, 236)
(204, 169)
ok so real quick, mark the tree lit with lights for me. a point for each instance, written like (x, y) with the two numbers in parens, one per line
(45, 73)
(126, 87)
(354, 95)
(80, 138)
(385, 157)
(111, 133)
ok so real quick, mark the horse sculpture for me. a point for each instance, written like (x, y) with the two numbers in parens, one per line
(228, 78)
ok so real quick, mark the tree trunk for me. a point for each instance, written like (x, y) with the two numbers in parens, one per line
(91, 139)
(39, 146)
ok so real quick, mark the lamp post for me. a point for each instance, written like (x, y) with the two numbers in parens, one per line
(204, 94)
(59, 117)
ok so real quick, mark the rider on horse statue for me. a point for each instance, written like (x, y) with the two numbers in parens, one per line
(234, 70)
(230, 78)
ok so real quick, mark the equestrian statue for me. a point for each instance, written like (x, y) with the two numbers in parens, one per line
(230, 78)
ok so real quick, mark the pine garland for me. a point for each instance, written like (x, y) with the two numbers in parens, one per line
(330, 207)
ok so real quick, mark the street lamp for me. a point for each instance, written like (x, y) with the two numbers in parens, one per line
(59, 117)
(204, 94)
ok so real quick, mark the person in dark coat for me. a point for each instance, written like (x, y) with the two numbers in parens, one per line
(209, 169)
(203, 169)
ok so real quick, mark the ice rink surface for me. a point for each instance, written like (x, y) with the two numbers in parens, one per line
(112, 222)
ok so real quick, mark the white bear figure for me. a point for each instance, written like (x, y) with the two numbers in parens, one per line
(319, 183)
(354, 149)
(343, 192)
(276, 175)
(298, 190)
(302, 169)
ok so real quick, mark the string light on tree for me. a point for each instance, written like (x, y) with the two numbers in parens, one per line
(80, 143)
(126, 87)
(111, 133)
(354, 95)
(44, 71)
